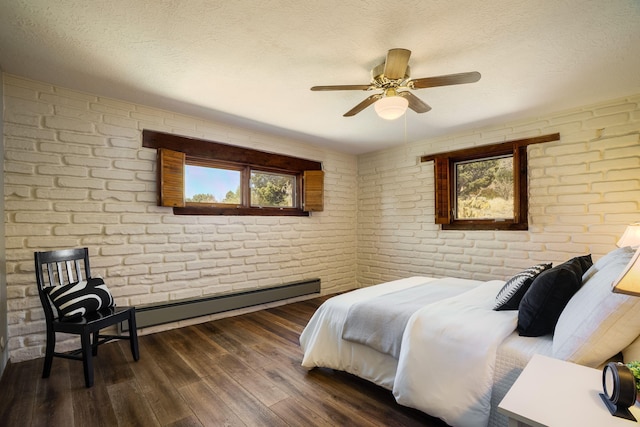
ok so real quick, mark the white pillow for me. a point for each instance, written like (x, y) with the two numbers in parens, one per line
(614, 255)
(596, 324)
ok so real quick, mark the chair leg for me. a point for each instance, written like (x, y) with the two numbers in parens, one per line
(87, 358)
(48, 355)
(133, 336)
(94, 345)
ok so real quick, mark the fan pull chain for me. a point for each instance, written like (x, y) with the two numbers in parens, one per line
(405, 128)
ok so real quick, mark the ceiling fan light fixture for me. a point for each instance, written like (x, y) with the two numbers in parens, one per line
(393, 75)
(391, 107)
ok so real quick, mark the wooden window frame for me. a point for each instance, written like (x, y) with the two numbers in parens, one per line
(175, 151)
(445, 190)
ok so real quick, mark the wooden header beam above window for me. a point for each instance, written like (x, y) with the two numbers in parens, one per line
(210, 149)
(482, 150)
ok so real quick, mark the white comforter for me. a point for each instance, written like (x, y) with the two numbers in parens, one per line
(323, 346)
(447, 357)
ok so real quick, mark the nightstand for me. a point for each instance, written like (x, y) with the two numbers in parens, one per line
(554, 393)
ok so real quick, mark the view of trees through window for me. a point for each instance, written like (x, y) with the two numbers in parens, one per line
(484, 189)
(223, 186)
(271, 189)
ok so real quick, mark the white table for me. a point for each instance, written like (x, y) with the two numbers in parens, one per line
(554, 393)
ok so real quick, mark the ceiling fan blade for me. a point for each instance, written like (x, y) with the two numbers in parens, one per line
(364, 104)
(449, 79)
(395, 66)
(415, 103)
(342, 87)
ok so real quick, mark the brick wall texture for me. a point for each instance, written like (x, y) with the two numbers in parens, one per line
(76, 175)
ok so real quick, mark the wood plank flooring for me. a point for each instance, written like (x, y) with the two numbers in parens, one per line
(237, 371)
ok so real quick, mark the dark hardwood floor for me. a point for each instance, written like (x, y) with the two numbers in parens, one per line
(238, 371)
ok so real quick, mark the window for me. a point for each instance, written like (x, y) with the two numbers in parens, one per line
(199, 177)
(212, 185)
(276, 190)
(483, 188)
(209, 183)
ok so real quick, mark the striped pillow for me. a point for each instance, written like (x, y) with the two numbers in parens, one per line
(80, 298)
(512, 292)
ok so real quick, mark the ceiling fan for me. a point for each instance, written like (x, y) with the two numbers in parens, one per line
(393, 78)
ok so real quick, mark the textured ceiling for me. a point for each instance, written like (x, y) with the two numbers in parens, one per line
(251, 63)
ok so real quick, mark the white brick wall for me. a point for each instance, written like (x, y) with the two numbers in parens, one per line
(583, 191)
(76, 175)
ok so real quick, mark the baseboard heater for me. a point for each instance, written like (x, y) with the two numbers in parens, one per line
(157, 314)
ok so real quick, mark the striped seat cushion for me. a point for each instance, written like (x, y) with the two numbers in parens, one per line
(80, 298)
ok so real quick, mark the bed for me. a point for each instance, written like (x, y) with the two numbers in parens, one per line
(454, 356)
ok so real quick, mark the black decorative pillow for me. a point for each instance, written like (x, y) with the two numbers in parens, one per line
(547, 296)
(80, 298)
(512, 292)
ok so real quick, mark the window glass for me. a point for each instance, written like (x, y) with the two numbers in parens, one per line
(272, 189)
(212, 185)
(484, 189)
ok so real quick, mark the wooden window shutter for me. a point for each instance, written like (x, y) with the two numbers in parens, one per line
(521, 199)
(313, 191)
(171, 177)
(443, 205)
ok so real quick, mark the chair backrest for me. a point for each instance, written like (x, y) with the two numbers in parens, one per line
(59, 267)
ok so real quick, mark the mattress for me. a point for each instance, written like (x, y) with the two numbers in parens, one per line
(511, 358)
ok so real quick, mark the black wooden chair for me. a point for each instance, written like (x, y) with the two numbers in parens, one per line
(62, 267)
